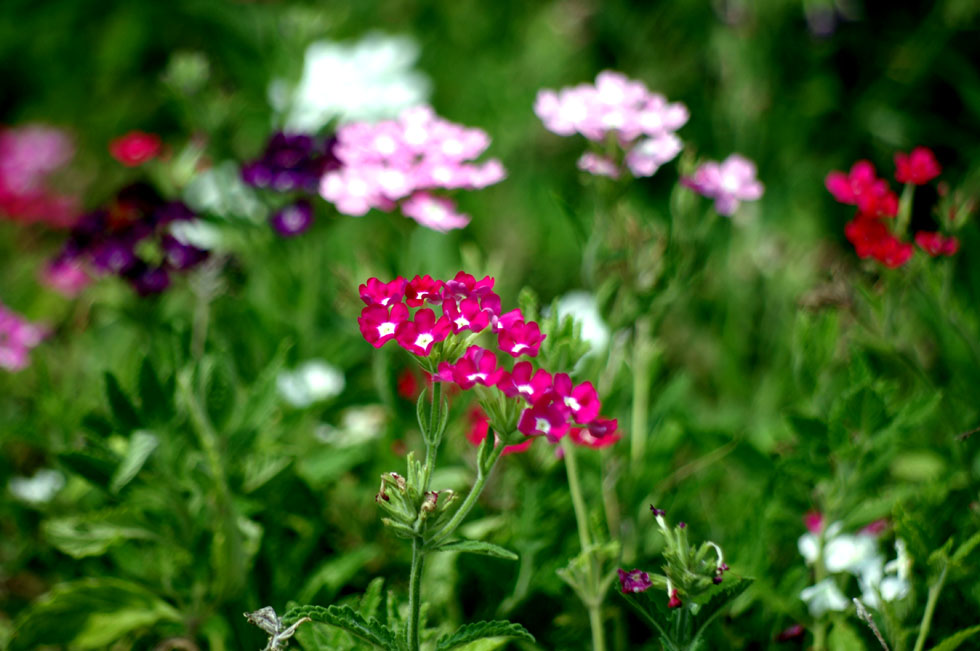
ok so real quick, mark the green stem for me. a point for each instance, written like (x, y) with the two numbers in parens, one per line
(641, 390)
(934, 591)
(415, 594)
(594, 601)
(431, 441)
(471, 498)
(820, 573)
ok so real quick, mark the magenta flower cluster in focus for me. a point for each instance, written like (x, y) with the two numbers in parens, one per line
(17, 337)
(549, 405)
(406, 160)
(640, 122)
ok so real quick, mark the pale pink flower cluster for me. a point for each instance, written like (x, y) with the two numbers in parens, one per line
(643, 123)
(17, 337)
(405, 159)
(728, 183)
(28, 155)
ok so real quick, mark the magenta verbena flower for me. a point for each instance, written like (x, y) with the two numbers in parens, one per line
(642, 123)
(403, 160)
(521, 398)
(728, 183)
(634, 581)
(18, 337)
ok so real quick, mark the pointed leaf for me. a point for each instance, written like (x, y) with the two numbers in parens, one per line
(956, 639)
(96, 468)
(477, 547)
(480, 630)
(157, 402)
(370, 630)
(141, 445)
(93, 533)
(90, 614)
(717, 598)
(120, 405)
(651, 605)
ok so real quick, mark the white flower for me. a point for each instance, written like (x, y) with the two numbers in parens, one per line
(38, 489)
(824, 596)
(357, 425)
(584, 309)
(371, 79)
(220, 191)
(311, 382)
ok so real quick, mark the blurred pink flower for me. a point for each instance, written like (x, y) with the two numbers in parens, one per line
(727, 183)
(28, 155)
(17, 337)
(65, 276)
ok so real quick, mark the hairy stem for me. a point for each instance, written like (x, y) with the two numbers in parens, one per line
(415, 595)
(641, 390)
(471, 497)
(594, 601)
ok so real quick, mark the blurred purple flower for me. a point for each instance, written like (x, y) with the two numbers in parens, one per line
(728, 183)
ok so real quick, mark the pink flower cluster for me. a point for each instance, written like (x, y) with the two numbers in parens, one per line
(17, 337)
(876, 203)
(643, 123)
(28, 155)
(550, 405)
(406, 160)
(728, 183)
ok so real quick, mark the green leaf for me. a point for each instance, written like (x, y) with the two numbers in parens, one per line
(96, 468)
(333, 574)
(94, 533)
(714, 600)
(477, 547)
(372, 598)
(121, 407)
(370, 630)
(843, 637)
(956, 639)
(480, 630)
(157, 402)
(651, 605)
(965, 549)
(90, 614)
(141, 445)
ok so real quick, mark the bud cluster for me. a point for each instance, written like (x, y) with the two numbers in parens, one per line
(409, 508)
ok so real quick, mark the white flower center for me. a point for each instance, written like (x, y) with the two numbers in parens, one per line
(525, 388)
(461, 321)
(542, 425)
(572, 403)
(516, 348)
(423, 340)
(473, 377)
(386, 329)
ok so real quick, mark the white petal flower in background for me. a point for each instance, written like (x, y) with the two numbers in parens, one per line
(40, 488)
(371, 79)
(584, 309)
(823, 597)
(357, 425)
(310, 382)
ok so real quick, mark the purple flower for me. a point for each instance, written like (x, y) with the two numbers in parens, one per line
(293, 219)
(727, 183)
(181, 256)
(113, 256)
(291, 162)
(634, 581)
(148, 280)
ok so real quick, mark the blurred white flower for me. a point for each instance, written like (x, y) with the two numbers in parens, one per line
(371, 79)
(357, 425)
(584, 309)
(220, 191)
(824, 596)
(311, 382)
(38, 489)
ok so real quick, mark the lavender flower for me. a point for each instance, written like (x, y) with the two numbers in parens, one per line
(727, 183)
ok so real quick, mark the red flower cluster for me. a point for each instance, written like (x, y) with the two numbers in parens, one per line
(875, 201)
(550, 404)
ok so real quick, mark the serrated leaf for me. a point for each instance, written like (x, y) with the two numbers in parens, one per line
(652, 607)
(714, 600)
(965, 549)
(480, 630)
(370, 630)
(956, 639)
(90, 614)
(477, 547)
(122, 408)
(371, 600)
(157, 402)
(141, 445)
(93, 534)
